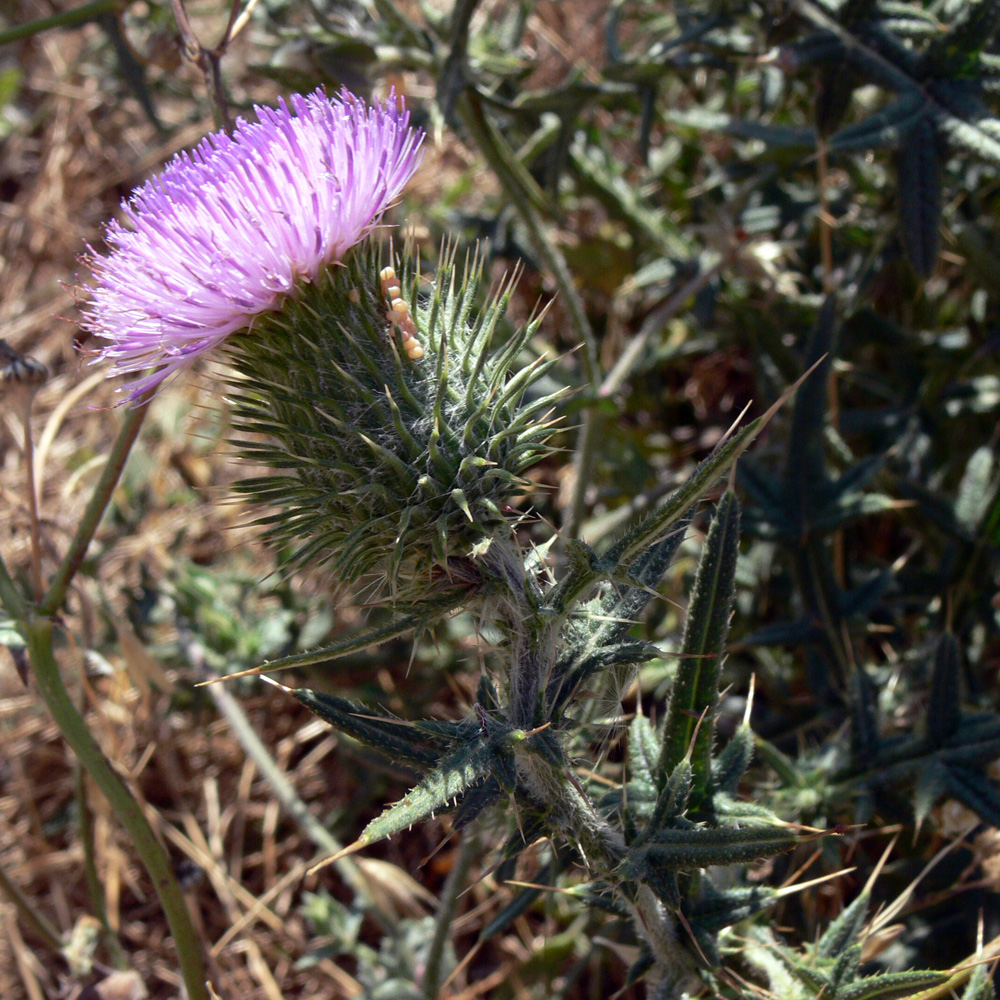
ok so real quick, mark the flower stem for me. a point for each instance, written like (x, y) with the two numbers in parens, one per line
(453, 886)
(38, 632)
(96, 507)
(94, 886)
(71, 18)
(10, 596)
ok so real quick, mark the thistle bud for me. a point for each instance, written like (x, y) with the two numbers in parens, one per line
(399, 435)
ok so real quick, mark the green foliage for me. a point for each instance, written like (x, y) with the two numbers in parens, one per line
(793, 186)
(832, 965)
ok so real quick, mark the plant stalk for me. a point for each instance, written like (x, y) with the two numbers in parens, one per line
(38, 632)
(72, 18)
(94, 886)
(452, 889)
(96, 507)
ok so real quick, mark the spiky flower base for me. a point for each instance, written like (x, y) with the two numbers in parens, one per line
(397, 465)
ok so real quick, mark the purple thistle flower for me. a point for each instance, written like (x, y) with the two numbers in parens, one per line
(226, 232)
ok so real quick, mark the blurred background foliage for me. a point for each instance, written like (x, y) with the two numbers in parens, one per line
(711, 197)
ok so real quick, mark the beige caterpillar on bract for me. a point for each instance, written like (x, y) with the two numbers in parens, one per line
(399, 314)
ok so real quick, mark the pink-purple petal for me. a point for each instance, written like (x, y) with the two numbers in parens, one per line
(226, 231)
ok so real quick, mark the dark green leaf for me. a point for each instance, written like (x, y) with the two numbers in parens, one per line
(893, 986)
(919, 189)
(690, 722)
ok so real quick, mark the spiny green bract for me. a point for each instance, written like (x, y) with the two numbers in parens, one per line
(392, 467)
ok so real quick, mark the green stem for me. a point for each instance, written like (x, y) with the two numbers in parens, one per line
(10, 597)
(453, 887)
(38, 632)
(96, 507)
(35, 920)
(782, 765)
(94, 886)
(72, 18)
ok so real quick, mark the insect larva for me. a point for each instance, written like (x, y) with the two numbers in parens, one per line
(399, 314)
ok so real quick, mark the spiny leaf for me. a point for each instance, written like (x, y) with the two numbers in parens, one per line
(701, 847)
(886, 129)
(731, 764)
(640, 966)
(523, 899)
(845, 930)
(741, 811)
(954, 54)
(965, 121)
(663, 882)
(977, 489)
(642, 753)
(975, 791)
(919, 189)
(716, 910)
(389, 736)
(477, 800)
(835, 88)
(979, 986)
(437, 791)
(845, 969)
(944, 711)
(676, 507)
(805, 470)
(811, 978)
(778, 136)
(893, 986)
(672, 801)
(690, 722)
(362, 639)
(864, 716)
(977, 740)
(930, 786)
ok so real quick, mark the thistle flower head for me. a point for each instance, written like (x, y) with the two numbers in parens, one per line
(225, 233)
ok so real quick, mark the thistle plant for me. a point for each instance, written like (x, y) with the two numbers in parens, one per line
(397, 424)
(395, 458)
